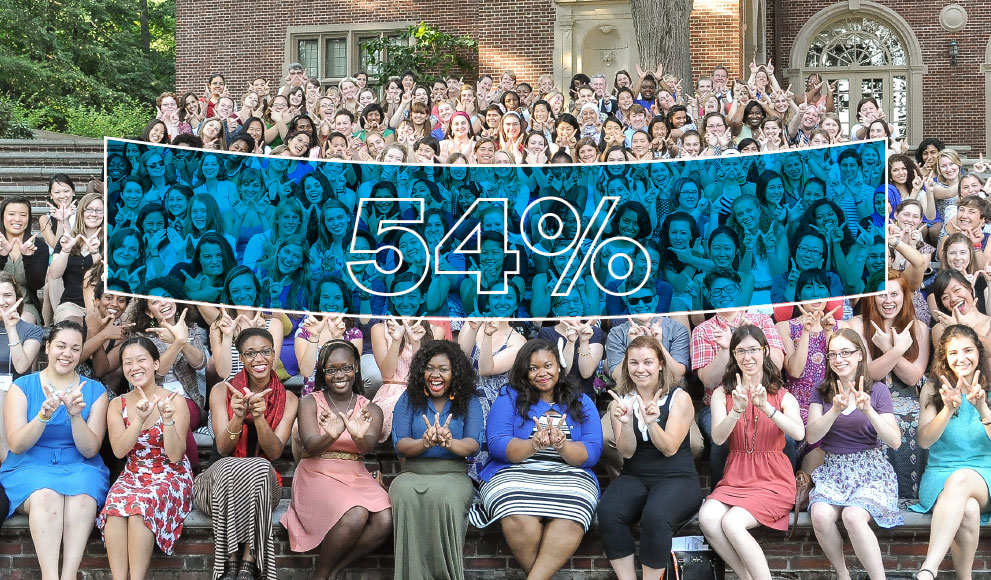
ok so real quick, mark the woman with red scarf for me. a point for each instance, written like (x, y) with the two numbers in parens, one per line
(252, 415)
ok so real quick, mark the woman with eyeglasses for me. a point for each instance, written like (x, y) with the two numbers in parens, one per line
(80, 248)
(336, 504)
(852, 415)
(252, 416)
(753, 413)
(438, 423)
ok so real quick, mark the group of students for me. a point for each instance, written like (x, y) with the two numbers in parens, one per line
(877, 398)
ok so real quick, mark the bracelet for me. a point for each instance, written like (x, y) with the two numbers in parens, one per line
(773, 413)
(173, 423)
(988, 422)
(43, 419)
(585, 352)
(13, 344)
(232, 434)
(736, 418)
(314, 341)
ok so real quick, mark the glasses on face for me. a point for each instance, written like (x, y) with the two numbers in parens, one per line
(634, 300)
(808, 251)
(725, 291)
(155, 165)
(752, 351)
(344, 370)
(93, 211)
(253, 354)
(845, 353)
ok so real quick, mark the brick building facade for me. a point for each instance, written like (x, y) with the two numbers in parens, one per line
(897, 50)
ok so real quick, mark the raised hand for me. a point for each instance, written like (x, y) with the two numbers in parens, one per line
(443, 433)
(621, 410)
(741, 395)
(758, 395)
(256, 403)
(395, 329)
(555, 434)
(73, 400)
(951, 394)
(651, 408)
(841, 398)
(331, 423)
(51, 404)
(10, 315)
(173, 332)
(541, 437)
(430, 435)
(975, 392)
(415, 331)
(239, 400)
(166, 408)
(860, 398)
(635, 329)
(357, 423)
(145, 407)
(882, 338)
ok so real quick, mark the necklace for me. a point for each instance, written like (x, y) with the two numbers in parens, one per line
(338, 409)
(750, 439)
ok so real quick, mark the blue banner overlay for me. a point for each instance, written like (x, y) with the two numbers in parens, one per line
(497, 241)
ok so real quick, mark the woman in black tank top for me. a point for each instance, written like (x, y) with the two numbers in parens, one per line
(658, 486)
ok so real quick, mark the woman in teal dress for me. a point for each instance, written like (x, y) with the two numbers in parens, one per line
(55, 422)
(955, 424)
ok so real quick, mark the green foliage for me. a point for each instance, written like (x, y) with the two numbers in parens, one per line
(64, 59)
(425, 50)
(126, 119)
(13, 125)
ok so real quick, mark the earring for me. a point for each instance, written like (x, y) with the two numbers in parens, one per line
(426, 392)
(451, 396)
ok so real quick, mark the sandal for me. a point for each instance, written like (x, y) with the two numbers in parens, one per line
(927, 571)
(247, 571)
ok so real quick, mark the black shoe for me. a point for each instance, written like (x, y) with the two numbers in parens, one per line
(230, 570)
(248, 571)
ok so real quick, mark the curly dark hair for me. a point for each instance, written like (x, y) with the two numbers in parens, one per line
(173, 289)
(463, 378)
(320, 378)
(772, 374)
(567, 392)
(941, 367)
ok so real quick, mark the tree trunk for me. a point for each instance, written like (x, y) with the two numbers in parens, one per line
(663, 36)
(145, 30)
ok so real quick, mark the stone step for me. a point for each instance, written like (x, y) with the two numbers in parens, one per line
(23, 157)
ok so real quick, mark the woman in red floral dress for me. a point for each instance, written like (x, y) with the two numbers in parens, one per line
(153, 495)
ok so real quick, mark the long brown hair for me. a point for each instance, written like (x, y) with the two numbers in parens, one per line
(828, 386)
(941, 367)
(771, 373)
(905, 318)
(665, 379)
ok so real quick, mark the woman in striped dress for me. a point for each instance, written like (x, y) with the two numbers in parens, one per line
(543, 437)
(252, 416)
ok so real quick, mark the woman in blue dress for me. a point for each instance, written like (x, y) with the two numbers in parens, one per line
(55, 423)
(955, 425)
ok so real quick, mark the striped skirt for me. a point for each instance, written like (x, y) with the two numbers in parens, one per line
(541, 487)
(239, 495)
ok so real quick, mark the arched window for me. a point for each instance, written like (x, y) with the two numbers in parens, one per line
(864, 57)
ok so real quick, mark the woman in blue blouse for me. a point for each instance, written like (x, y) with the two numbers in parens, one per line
(55, 422)
(543, 437)
(437, 423)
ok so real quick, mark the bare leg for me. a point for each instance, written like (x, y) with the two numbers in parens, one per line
(340, 540)
(652, 573)
(624, 568)
(948, 514)
(140, 544)
(378, 530)
(711, 523)
(76, 531)
(857, 522)
(559, 542)
(965, 542)
(115, 538)
(45, 510)
(523, 535)
(812, 460)
(736, 525)
(824, 517)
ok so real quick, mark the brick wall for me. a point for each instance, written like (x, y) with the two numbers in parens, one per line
(716, 37)
(511, 34)
(953, 96)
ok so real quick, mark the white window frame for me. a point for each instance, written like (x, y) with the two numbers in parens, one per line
(353, 34)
